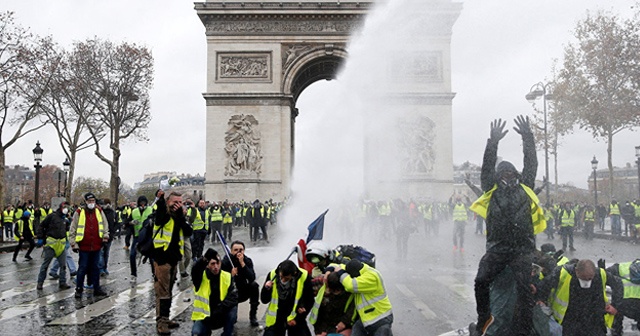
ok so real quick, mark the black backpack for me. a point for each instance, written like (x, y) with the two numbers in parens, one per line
(146, 236)
(348, 252)
(634, 272)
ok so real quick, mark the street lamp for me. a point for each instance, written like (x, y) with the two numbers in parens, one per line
(37, 156)
(594, 166)
(638, 164)
(65, 167)
(542, 90)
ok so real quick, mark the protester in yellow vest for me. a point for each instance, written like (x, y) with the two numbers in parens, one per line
(172, 229)
(287, 290)
(629, 274)
(7, 221)
(567, 218)
(23, 232)
(460, 218)
(579, 302)
(136, 220)
(614, 214)
(589, 222)
(88, 231)
(52, 233)
(373, 307)
(215, 304)
(513, 216)
(199, 217)
(334, 309)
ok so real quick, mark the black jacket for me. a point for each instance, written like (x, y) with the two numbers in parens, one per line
(285, 304)
(246, 275)
(55, 225)
(219, 308)
(111, 220)
(172, 255)
(509, 223)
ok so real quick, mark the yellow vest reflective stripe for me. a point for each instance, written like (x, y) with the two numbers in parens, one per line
(615, 210)
(82, 221)
(228, 219)
(57, 245)
(568, 218)
(198, 222)
(371, 309)
(21, 228)
(272, 310)
(201, 307)
(7, 216)
(216, 215)
(631, 290)
(481, 205)
(460, 213)
(163, 238)
(560, 300)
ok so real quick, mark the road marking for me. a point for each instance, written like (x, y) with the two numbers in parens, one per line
(25, 308)
(422, 307)
(463, 290)
(87, 313)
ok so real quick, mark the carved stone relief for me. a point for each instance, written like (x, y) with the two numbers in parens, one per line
(242, 145)
(244, 66)
(417, 137)
(421, 67)
(290, 52)
(281, 26)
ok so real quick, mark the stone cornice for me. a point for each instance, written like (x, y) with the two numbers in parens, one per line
(238, 99)
(283, 6)
(443, 98)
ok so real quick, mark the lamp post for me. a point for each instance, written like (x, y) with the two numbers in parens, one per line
(542, 90)
(37, 157)
(65, 167)
(638, 164)
(594, 166)
(59, 181)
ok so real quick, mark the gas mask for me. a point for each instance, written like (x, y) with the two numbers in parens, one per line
(509, 179)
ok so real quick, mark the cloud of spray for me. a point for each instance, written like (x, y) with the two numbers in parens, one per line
(331, 158)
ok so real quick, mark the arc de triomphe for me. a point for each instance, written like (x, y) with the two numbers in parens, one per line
(263, 54)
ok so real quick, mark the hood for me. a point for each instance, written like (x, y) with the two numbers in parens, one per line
(143, 199)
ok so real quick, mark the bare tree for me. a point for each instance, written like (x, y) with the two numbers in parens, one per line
(599, 82)
(119, 77)
(19, 96)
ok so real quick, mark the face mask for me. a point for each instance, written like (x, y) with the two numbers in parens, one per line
(585, 283)
(65, 211)
(91, 205)
(107, 206)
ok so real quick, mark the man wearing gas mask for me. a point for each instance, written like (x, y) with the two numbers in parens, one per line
(579, 302)
(512, 213)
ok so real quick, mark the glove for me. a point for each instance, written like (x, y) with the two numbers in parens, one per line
(40, 243)
(601, 263)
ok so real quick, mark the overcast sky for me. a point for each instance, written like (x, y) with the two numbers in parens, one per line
(500, 48)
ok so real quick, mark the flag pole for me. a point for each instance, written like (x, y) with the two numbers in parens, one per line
(224, 247)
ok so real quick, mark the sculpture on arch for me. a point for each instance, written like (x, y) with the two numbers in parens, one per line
(417, 153)
(242, 146)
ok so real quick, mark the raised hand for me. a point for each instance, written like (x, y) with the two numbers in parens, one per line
(497, 130)
(522, 125)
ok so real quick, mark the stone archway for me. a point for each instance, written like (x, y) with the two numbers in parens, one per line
(261, 56)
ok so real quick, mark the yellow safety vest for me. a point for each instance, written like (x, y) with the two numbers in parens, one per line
(272, 310)
(228, 219)
(460, 213)
(198, 223)
(588, 216)
(7, 217)
(568, 218)
(163, 238)
(140, 217)
(201, 307)
(216, 215)
(615, 210)
(481, 205)
(372, 302)
(21, 228)
(560, 300)
(82, 221)
(631, 290)
(637, 210)
(57, 245)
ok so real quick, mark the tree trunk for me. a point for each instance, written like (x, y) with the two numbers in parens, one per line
(114, 185)
(2, 183)
(610, 163)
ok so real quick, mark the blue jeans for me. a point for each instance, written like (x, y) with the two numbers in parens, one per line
(616, 228)
(88, 265)
(104, 257)
(50, 254)
(201, 328)
(132, 257)
(71, 264)
(380, 328)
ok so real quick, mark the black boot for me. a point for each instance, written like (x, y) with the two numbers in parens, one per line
(162, 321)
(253, 315)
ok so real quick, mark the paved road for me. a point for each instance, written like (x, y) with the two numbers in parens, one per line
(431, 290)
